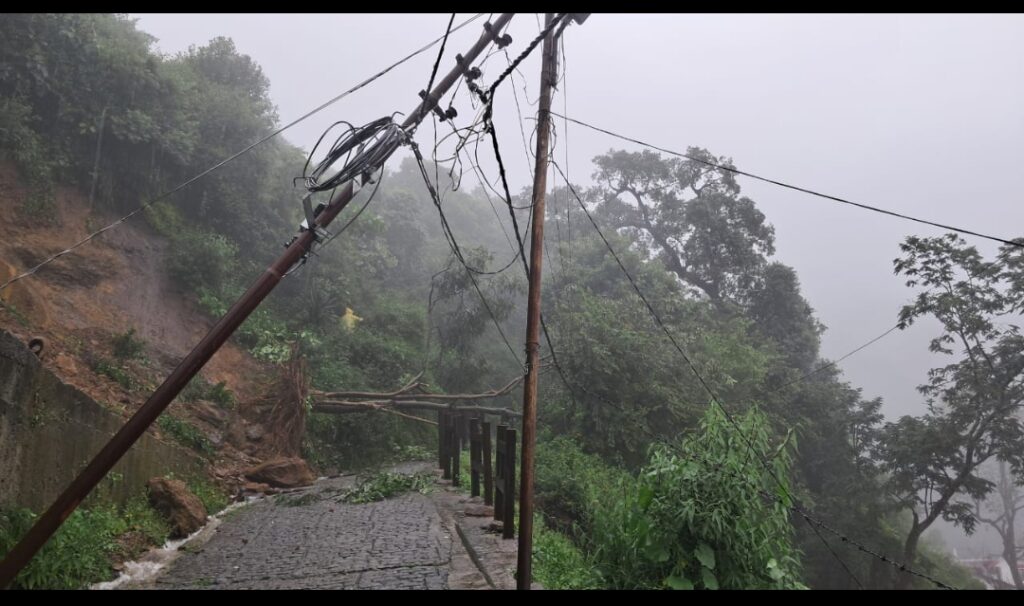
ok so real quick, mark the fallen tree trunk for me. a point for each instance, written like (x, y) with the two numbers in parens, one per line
(413, 391)
(346, 407)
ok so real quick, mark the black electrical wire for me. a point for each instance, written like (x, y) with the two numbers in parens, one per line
(227, 160)
(440, 53)
(457, 252)
(372, 144)
(732, 169)
(716, 400)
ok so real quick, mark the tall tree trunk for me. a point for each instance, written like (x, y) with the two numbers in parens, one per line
(1007, 491)
(909, 554)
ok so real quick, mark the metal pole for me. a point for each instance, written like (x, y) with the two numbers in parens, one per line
(548, 76)
(81, 486)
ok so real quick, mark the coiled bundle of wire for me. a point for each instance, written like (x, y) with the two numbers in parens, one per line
(361, 151)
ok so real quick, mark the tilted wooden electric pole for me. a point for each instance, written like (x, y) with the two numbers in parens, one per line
(548, 76)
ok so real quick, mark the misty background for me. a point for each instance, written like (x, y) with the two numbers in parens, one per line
(919, 114)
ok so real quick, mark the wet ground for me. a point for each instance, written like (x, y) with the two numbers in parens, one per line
(309, 539)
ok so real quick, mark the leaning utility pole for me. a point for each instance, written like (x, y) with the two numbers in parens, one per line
(297, 250)
(548, 77)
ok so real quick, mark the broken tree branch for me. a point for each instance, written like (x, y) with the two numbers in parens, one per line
(405, 416)
(406, 393)
(345, 407)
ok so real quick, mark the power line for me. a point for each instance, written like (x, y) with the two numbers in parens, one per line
(488, 99)
(835, 555)
(490, 128)
(734, 170)
(520, 254)
(835, 362)
(483, 187)
(453, 244)
(719, 467)
(440, 53)
(231, 158)
(716, 400)
(446, 227)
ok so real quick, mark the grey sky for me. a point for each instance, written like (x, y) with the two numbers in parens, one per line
(922, 114)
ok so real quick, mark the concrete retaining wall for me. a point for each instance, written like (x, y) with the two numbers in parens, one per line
(49, 431)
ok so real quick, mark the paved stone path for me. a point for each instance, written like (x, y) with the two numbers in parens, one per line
(309, 540)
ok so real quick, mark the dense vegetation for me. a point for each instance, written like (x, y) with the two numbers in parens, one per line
(641, 481)
(81, 551)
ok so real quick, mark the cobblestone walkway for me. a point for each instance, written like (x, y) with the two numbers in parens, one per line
(310, 540)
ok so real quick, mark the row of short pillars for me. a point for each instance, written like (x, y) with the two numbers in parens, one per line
(456, 431)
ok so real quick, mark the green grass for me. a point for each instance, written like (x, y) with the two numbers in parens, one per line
(115, 372)
(127, 346)
(18, 316)
(201, 389)
(213, 498)
(186, 434)
(558, 563)
(465, 476)
(140, 517)
(82, 550)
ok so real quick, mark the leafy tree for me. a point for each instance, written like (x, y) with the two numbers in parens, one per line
(782, 315)
(690, 216)
(463, 315)
(972, 402)
(614, 352)
(1000, 513)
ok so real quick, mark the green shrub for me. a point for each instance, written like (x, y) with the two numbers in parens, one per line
(127, 346)
(186, 434)
(78, 554)
(354, 442)
(202, 259)
(569, 483)
(115, 372)
(212, 496)
(414, 452)
(81, 551)
(201, 389)
(558, 563)
(29, 152)
(165, 218)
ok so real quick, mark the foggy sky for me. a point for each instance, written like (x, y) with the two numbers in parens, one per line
(920, 114)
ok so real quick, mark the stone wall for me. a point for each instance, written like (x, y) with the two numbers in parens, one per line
(49, 431)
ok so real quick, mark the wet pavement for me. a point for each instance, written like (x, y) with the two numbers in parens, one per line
(308, 539)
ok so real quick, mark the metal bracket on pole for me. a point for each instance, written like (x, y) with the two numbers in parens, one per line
(311, 215)
(579, 18)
